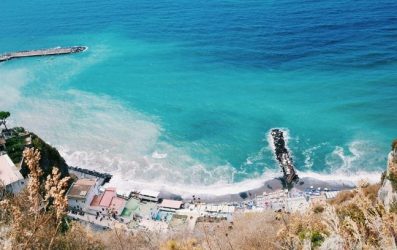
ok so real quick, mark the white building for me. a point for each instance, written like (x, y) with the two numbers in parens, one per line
(262, 201)
(10, 177)
(149, 195)
(274, 200)
(81, 193)
(215, 210)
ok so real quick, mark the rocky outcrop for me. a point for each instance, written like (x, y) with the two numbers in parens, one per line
(387, 193)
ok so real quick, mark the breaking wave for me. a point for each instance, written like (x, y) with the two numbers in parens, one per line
(99, 133)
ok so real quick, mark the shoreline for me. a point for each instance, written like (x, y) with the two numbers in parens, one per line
(232, 192)
(235, 192)
(268, 186)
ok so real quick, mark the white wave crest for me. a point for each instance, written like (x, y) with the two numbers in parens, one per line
(99, 133)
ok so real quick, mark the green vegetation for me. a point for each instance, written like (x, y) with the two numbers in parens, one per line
(18, 130)
(15, 148)
(315, 236)
(3, 117)
(317, 239)
(16, 144)
(50, 158)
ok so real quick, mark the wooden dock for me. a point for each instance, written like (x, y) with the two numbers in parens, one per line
(42, 52)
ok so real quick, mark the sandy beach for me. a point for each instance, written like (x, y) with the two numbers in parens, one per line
(268, 186)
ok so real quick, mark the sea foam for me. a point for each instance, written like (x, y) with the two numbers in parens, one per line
(100, 132)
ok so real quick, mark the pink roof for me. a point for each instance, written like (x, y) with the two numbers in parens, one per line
(97, 199)
(107, 197)
(117, 203)
(171, 204)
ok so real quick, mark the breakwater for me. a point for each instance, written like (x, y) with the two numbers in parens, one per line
(42, 52)
(86, 173)
(283, 156)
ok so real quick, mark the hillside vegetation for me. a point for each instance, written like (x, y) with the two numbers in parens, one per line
(50, 157)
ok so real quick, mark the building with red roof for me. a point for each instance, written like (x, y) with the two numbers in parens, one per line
(108, 202)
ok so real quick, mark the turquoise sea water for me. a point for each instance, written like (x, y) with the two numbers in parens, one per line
(183, 94)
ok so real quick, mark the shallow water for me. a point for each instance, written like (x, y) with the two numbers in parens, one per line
(183, 94)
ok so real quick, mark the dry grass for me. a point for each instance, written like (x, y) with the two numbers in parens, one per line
(36, 217)
(371, 191)
(343, 197)
(248, 231)
(121, 240)
(353, 220)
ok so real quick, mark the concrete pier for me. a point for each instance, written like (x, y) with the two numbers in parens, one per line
(42, 52)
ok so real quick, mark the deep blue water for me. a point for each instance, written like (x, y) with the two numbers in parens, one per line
(185, 92)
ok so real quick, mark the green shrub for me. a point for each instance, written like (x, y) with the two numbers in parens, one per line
(50, 157)
(302, 234)
(19, 130)
(15, 148)
(317, 239)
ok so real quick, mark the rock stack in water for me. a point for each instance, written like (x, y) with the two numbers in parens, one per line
(283, 156)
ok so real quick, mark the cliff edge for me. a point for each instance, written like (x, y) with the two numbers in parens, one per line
(387, 194)
(17, 139)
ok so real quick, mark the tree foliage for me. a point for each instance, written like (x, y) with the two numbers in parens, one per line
(50, 157)
(4, 115)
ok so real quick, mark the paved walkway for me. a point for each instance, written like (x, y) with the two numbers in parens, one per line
(105, 222)
(149, 224)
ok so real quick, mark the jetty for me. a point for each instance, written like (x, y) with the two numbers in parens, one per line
(283, 156)
(86, 173)
(42, 52)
